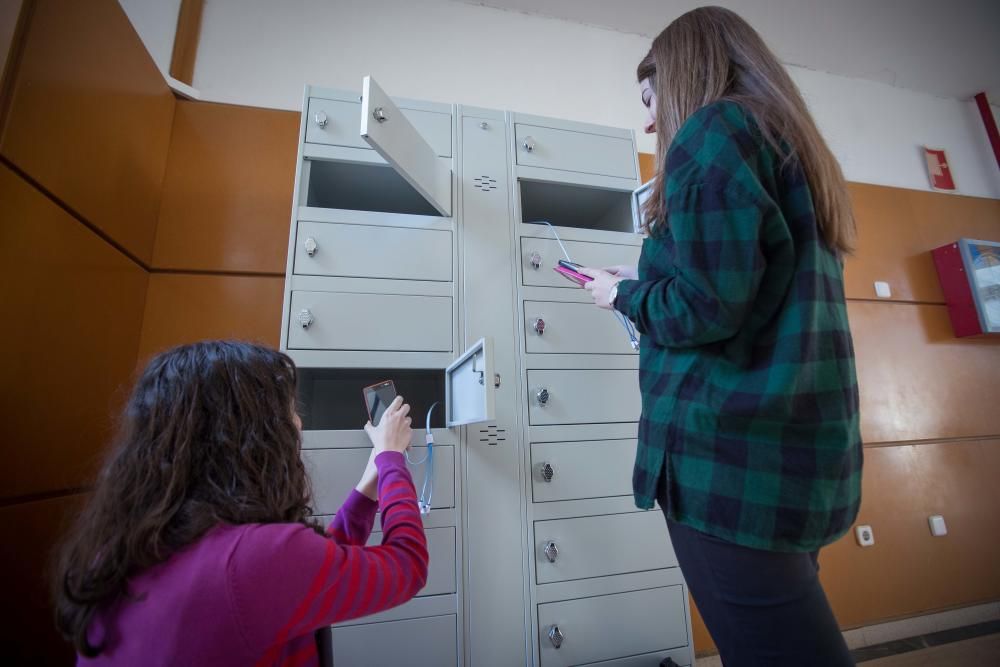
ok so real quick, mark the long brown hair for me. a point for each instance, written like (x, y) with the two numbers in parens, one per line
(710, 54)
(207, 437)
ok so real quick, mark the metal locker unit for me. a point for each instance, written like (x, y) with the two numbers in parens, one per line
(411, 248)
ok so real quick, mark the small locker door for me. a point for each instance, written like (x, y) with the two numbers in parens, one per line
(470, 386)
(388, 131)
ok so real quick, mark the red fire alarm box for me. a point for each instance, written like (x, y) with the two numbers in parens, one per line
(969, 271)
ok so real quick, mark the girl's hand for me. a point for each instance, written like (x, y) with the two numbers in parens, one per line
(393, 432)
(623, 271)
(600, 286)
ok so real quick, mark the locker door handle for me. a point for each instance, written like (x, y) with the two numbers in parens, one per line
(538, 325)
(305, 318)
(311, 246)
(551, 552)
(542, 396)
(321, 118)
(556, 636)
(528, 144)
(547, 472)
(535, 259)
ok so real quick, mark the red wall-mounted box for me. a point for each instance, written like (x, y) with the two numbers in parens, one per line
(969, 272)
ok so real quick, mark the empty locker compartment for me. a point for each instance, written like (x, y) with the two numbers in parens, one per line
(577, 206)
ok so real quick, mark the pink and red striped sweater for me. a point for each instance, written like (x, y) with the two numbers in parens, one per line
(255, 594)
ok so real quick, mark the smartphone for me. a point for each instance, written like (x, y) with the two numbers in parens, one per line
(570, 265)
(378, 397)
(570, 274)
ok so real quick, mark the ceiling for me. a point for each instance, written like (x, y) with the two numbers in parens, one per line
(949, 48)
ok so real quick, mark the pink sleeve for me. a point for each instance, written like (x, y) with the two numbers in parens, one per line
(286, 580)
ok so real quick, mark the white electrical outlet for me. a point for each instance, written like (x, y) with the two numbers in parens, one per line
(865, 536)
(937, 524)
(882, 290)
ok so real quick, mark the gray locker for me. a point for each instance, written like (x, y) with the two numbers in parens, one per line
(597, 546)
(373, 251)
(583, 396)
(572, 470)
(608, 626)
(335, 122)
(441, 567)
(552, 148)
(334, 472)
(328, 321)
(431, 641)
(539, 257)
(562, 328)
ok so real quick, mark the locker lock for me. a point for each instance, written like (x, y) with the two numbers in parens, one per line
(538, 324)
(305, 318)
(556, 636)
(379, 115)
(546, 471)
(535, 259)
(551, 552)
(321, 118)
(542, 396)
(528, 143)
(311, 246)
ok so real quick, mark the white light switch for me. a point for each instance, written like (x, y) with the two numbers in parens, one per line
(865, 536)
(882, 290)
(938, 527)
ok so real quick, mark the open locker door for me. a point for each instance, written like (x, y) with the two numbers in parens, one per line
(387, 130)
(470, 386)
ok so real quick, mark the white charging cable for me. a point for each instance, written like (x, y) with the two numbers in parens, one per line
(427, 488)
(633, 336)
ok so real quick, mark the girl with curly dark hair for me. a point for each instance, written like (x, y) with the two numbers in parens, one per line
(195, 546)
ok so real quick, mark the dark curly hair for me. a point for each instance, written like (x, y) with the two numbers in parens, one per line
(208, 437)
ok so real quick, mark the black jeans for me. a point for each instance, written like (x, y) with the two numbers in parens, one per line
(761, 607)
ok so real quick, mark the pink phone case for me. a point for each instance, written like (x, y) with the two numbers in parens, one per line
(578, 278)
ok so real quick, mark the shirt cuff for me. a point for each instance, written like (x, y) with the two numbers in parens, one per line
(623, 300)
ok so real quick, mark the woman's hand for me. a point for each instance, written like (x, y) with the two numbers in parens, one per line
(368, 485)
(623, 271)
(600, 286)
(393, 432)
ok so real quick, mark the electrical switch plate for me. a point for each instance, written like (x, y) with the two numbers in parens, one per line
(882, 290)
(938, 527)
(865, 536)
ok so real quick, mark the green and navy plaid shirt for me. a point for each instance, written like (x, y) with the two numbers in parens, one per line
(749, 395)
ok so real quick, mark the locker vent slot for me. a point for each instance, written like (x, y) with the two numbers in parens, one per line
(484, 183)
(492, 435)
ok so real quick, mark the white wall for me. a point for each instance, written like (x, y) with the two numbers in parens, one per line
(261, 53)
(156, 23)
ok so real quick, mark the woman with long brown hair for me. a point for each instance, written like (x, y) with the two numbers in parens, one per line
(749, 436)
(195, 546)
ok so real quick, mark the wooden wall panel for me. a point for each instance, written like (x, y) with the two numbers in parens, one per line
(183, 308)
(909, 571)
(90, 118)
(73, 310)
(919, 382)
(898, 228)
(28, 635)
(10, 12)
(227, 195)
(647, 166)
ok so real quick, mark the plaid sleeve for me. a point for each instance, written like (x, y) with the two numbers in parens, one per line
(717, 266)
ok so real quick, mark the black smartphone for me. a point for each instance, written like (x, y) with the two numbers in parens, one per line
(378, 397)
(572, 266)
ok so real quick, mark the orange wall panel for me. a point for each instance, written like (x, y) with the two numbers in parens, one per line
(73, 312)
(908, 571)
(28, 635)
(919, 382)
(183, 308)
(227, 194)
(647, 166)
(90, 118)
(898, 228)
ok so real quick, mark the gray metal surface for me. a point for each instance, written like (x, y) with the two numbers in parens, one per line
(369, 251)
(429, 641)
(371, 322)
(590, 469)
(335, 472)
(596, 546)
(573, 327)
(441, 564)
(584, 396)
(610, 626)
(598, 255)
(343, 118)
(574, 151)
